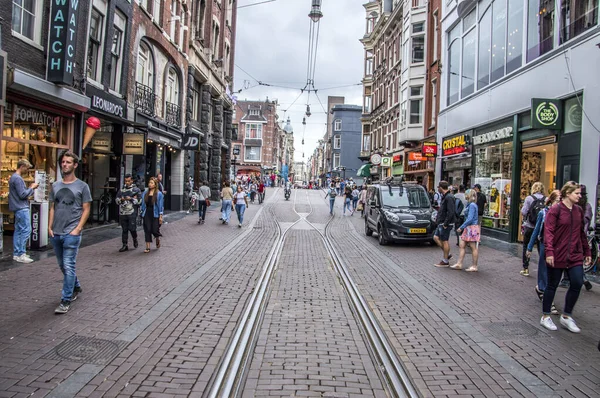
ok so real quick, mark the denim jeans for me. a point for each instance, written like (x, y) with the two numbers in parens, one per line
(331, 203)
(66, 248)
(22, 231)
(354, 203)
(240, 209)
(347, 205)
(201, 209)
(554, 275)
(226, 212)
(542, 268)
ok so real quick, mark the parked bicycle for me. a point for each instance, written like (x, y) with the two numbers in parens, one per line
(193, 199)
(594, 242)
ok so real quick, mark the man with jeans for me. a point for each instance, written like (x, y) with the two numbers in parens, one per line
(445, 222)
(18, 203)
(69, 210)
(128, 199)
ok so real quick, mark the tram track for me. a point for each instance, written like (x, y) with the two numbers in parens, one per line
(230, 376)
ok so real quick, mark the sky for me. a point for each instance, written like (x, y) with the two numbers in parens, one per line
(272, 47)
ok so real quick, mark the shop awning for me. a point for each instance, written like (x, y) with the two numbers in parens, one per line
(364, 170)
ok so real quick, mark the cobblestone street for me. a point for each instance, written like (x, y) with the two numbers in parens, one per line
(158, 324)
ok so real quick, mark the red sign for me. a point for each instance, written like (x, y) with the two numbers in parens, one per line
(429, 149)
(415, 156)
(456, 145)
(397, 158)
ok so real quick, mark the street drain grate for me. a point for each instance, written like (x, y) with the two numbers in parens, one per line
(510, 330)
(86, 350)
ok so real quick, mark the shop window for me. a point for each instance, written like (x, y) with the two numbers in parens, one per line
(493, 168)
(252, 153)
(514, 56)
(116, 51)
(26, 20)
(540, 28)
(576, 17)
(96, 40)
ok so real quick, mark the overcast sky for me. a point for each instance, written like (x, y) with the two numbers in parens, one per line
(272, 46)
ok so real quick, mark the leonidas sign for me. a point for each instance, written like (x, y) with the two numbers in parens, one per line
(546, 114)
(62, 41)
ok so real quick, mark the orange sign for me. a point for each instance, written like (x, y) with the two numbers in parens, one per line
(415, 156)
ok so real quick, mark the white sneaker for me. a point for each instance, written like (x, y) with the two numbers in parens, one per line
(570, 324)
(546, 322)
(23, 259)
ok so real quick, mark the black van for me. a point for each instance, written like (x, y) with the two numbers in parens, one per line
(399, 211)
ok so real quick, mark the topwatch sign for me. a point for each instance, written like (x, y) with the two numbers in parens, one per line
(62, 41)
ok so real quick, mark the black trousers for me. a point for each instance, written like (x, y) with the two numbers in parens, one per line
(527, 232)
(128, 224)
(151, 227)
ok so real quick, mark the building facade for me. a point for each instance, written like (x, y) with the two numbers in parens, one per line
(327, 139)
(394, 88)
(518, 101)
(345, 140)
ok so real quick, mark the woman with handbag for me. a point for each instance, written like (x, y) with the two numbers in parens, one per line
(470, 233)
(152, 213)
(240, 199)
(227, 198)
(203, 201)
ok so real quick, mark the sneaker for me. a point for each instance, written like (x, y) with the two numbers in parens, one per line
(76, 292)
(28, 256)
(442, 264)
(539, 293)
(588, 285)
(63, 307)
(199, 221)
(546, 322)
(202, 221)
(23, 259)
(240, 225)
(123, 249)
(525, 272)
(554, 310)
(570, 324)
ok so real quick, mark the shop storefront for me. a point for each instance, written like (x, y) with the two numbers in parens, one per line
(420, 164)
(398, 164)
(456, 159)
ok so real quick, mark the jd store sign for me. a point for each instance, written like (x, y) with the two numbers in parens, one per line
(546, 114)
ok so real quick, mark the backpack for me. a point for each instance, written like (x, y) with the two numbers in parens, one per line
(459, 207)
(536, 206)
(332, 193)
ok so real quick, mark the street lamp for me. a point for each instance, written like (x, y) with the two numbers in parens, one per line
(315, 12)
(343, 169)
(234, 160)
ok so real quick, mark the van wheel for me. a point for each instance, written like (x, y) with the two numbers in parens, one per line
(381, 239)
(368, 230)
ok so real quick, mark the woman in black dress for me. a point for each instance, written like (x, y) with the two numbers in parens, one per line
(152, 213)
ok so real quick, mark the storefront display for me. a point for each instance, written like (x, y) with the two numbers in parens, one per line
(38, 136)
(456, 159)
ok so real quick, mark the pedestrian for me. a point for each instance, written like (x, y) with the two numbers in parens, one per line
(537, 236)
(70, 202)
(152, 213)
(566, 248)
(587, 219)
(240, 199)
(203, 201)
(261, 192)
(533, 204)
(161, 187)
(481, 202)
(253, 189)
(363, 199)
(331, 194)
(18, 203)
(461, 209)
(355, 195)
(470, 232)
(128, 199)
(348, 200)
(445, 223)
(227, 198)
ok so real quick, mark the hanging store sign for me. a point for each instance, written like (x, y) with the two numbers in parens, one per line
(3, 60)
(397, 159)
(62, 41)
(546, 113)
(494, 135)
(429, 149)
(133, 144)
(415, 157)
(376, 159)
(456, 145)
(101, 142)
(386, 161)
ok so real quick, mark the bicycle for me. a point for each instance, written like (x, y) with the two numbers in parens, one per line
(193, 199)
(104, 200)
(594, 242)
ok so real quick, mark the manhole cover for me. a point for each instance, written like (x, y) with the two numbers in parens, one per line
(509, 330)
(86, 350)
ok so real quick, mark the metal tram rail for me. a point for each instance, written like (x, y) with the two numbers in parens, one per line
(230, 375)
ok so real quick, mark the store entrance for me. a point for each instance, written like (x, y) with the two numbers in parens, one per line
(101, 173)
(538, 163)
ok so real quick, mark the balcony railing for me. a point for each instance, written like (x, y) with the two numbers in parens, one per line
(145, 99)
(172, 114)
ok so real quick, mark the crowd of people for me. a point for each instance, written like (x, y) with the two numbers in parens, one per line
(352, 195)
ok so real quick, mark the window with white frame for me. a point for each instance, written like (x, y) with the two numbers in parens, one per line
(145, 66)
(173, 20)
(418, 42)
(434, 107)
(144, 4)
(435, 34)
(366, 143)
(156, 7)
(403, 105)
(337, 125)
(172, 87)
(96, 40)
(229, 17)
(416, 105)
(200, 20)
(27, 19)
(196, 100)
(254, 130)
(215, 39)
(337, 141)
(254, 112)
(252, 153)
(116, 51)
(336, 160)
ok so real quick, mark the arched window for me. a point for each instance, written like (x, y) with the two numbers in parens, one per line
(145, 66)
(172, 87)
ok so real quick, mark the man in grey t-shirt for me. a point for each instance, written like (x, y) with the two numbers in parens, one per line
(69, 210)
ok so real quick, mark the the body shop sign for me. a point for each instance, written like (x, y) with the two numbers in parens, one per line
(62, 41)
(429, 149)
(546, 114)
(456, 145)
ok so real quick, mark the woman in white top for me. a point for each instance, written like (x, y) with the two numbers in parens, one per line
(203, 198)
(241, 201)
